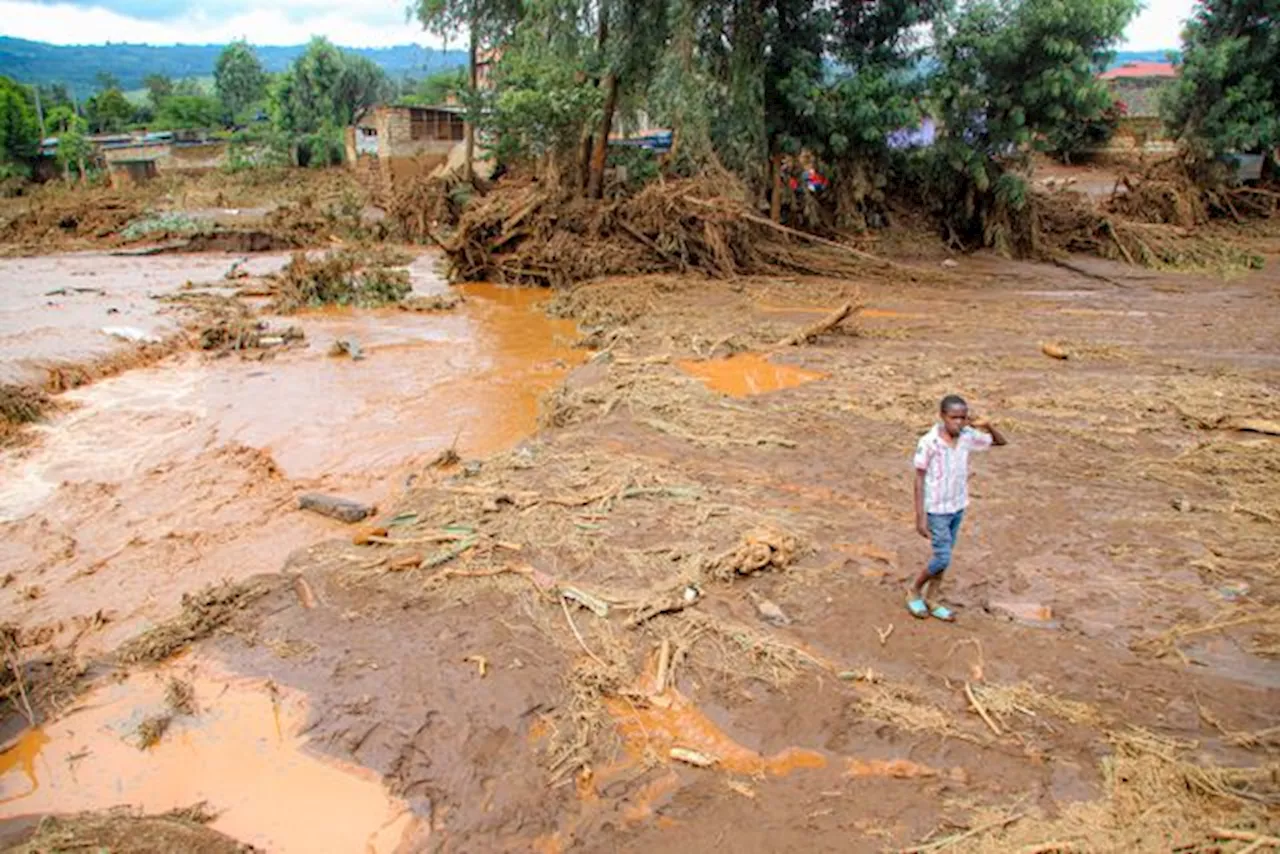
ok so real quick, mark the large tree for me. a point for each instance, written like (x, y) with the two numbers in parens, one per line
(1227, 97)
(488, 24)
(1010, 77)
(322, 92)
(178, 112)
(109, 111)
(239, 79)
(19, 129)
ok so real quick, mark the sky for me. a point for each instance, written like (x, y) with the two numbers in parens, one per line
(351, 23)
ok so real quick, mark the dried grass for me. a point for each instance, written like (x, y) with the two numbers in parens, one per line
(152, 729)
(126, 831)
(202, 614)
(1157, 797)
(1007, 702)
(180, 697)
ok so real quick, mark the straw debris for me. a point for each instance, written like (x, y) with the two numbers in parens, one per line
(202, 614)
(125, 831)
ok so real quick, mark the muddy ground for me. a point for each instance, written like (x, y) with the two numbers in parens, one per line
(704, 548)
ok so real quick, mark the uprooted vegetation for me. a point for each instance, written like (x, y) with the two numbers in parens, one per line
(342, 277)
(19, 405)
(530, 233)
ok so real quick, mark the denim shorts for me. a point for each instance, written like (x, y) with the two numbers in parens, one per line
(944, 528)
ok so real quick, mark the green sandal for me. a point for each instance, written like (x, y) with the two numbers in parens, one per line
(942, 612)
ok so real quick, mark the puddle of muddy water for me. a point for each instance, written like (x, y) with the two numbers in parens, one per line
(242, 752)
(747, 374)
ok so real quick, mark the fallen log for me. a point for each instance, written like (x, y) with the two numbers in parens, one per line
(831, 321)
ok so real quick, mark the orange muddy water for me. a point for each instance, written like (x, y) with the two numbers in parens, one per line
(746, 374)
(240, 752)
(161, 480)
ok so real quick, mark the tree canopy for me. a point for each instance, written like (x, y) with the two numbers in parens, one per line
(1227, 97)
(19, 128)
(239, 78)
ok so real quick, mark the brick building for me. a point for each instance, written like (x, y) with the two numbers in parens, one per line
(391, 142)
(1139, 85)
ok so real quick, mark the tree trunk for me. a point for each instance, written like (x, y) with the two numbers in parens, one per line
(775, 200)
(599, 154)
(468, 169)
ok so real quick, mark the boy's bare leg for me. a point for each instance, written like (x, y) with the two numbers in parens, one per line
(918, 588)
(934, 588)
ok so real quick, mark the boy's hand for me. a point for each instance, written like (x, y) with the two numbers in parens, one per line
(979, 422)
(922, 529)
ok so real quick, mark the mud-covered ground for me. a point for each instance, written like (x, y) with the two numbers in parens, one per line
(709, 555)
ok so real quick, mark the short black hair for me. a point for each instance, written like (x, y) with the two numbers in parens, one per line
(950, 401)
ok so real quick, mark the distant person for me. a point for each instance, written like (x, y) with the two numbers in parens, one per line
(942, 492)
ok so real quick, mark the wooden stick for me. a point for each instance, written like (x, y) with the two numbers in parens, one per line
(578, 635)
(759, 220)
(664, 663)
(1247, 836)
(831, 321)
(884, 634)
(412, 541)
(949, 841)
(977, 707)
(1125, 252)
(1049, 847)
(22, 688)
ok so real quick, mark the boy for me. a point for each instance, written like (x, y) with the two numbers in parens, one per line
(942, 491)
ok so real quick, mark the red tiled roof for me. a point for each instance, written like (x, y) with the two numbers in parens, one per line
(1131, 70)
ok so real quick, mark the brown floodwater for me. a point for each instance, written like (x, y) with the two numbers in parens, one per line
(241, 751)
(161, 480)
(746, 374)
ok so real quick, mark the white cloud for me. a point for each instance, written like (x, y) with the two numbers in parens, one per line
(351, 23)
(1158, 26)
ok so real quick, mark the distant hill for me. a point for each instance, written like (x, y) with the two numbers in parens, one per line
(1124, 56)
(78, 65)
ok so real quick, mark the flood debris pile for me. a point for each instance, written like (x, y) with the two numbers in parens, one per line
(20, 405)
(427, 202)
(57, 217)
(341, 277)
(126, 831)
(1156, 217)
(36, 680)
(224, 324)
(203, 613)
(306, 223)
(527, 233)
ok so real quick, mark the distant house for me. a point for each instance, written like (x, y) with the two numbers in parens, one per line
(389, 143)
(167, 151)
(1139, 85)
